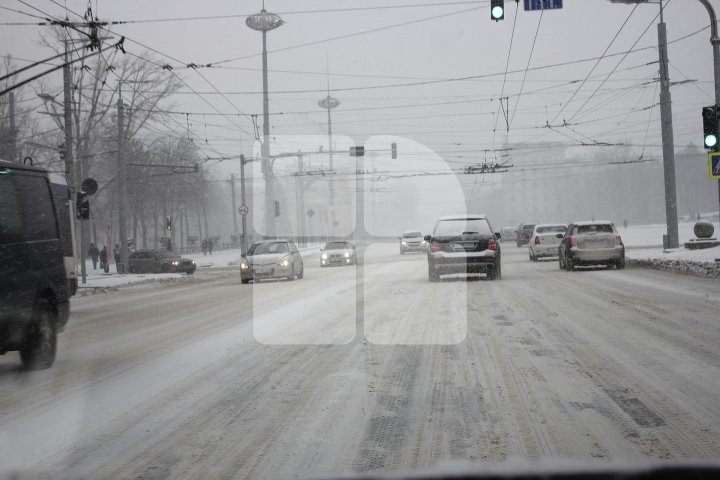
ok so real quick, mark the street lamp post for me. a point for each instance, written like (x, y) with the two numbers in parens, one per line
(329, 103)
(264, 22)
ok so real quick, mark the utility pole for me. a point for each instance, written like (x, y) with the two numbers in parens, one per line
(122, 175)
(13, 130)
(667, 138)
(300, 197)
(244, 204)
(234, 209)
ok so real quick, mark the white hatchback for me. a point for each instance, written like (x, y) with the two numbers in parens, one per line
(544, 241)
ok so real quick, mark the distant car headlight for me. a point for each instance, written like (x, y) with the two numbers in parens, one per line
(283, 263)
(324, 256)
(347, 255)
(404, 242)
(244, 266)
(175, 263)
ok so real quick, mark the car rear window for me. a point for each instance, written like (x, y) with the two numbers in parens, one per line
(412, 234)
(595, 228)
(468, 226)
(552, 229)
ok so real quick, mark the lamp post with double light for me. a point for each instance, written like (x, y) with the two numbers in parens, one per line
(264, 22)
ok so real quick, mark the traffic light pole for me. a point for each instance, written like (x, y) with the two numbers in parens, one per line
(715, 42)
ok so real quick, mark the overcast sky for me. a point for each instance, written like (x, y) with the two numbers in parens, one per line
(379, 53)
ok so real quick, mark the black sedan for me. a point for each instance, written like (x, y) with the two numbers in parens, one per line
(159, 261)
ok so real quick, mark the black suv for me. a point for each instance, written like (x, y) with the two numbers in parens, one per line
(463, 244)
(34, 290)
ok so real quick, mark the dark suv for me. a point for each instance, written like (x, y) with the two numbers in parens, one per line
(524, 232)
(463, 244)
(34, 289)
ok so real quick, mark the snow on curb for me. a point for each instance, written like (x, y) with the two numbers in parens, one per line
(699, 269)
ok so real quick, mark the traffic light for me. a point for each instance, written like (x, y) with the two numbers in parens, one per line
(393, 148)
(497, 10)
(277, 208)
(168, 223)
(61, 151)
(82, 206)
(710, 127)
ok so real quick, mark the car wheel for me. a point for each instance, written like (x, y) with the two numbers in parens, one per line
(244, 280)
(533, 258)
(620, 264)
(291, 275)
(560, 262)
(402, 252)
(302, 272)
(165, 269)
(190, 272)
(569, 265)
(494, 273)
(40, 343)
(433, 276)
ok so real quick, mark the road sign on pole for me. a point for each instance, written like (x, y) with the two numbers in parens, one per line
(542, 4)
(714, 164)
(243, 210)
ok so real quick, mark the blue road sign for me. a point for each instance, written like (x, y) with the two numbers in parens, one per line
(714, 164)
(542, 4)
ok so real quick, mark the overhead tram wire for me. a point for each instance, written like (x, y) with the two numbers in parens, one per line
(241, 129)
(599, 59)
(617, 64)
(532, 50)
(345, 36)
(507, 65)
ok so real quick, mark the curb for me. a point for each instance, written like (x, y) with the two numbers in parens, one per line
(685, 267)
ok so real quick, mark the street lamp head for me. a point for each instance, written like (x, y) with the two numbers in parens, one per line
(329, 102)
(264, 21)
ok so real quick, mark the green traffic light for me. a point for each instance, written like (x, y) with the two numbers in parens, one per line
(711, 140)
(497, 12)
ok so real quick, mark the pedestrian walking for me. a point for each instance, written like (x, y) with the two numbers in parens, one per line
(204, 246)
(210, 245)
(116, 257)
(94, 253)
(104, 259)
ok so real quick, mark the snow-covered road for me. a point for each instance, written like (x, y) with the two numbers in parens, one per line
(208, 378)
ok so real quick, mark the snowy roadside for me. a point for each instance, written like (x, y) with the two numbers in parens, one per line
(644, 250)
(101, 282)
(702, 263)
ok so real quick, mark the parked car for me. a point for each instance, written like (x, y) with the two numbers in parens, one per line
(591, 243)
(507, 234)
(159, 261)
(337, 253)
(34, 288)
(463, 244)
(412, 241)
(544, 240)
(269, 259)
(524, 231)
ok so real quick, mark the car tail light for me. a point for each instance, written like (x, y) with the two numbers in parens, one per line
(435, 247)
(618, 239)
(492, 244)
(573, 240)
(537, 239)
